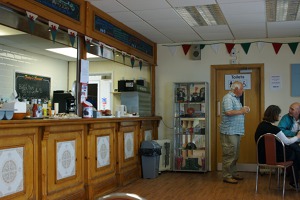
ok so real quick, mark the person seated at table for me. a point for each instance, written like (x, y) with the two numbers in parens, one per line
(272, 115)
(289, 123)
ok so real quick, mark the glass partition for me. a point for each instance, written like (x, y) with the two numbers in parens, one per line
(28, 51)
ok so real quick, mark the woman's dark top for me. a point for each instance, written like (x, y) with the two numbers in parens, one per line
(263, 128)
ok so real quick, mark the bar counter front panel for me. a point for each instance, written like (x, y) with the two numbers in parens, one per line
(71, 158)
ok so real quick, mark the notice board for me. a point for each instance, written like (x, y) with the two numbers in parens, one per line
(295, 70)
(29, 86)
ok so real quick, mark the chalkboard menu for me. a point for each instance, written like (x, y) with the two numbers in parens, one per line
(30, 86)
(65, 7)
(109, 29)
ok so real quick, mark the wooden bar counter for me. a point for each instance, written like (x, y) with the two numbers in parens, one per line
(71, 158)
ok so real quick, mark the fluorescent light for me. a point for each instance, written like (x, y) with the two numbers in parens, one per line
(4, 30)
(283, 10)
(187, 16)
(206, 15)
(70, 52)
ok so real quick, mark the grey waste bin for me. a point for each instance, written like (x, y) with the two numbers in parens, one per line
(150, 152)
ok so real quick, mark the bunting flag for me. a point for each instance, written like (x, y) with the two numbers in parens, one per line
(88, 42)
(101, 48)
(260, 45)
(246, 47)
(172, 50)
(186, 48)
(31, 20)
(123, 55)
(215, 47)
(229, 47)
(72, 35)
(293, 46)
(53, 28)
(113, 50)
(140, 64)
(132, 60)
(276, 47)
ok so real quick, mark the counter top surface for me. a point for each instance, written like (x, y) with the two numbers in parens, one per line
(59, 121)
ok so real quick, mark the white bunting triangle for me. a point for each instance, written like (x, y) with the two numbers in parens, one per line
(215, 47)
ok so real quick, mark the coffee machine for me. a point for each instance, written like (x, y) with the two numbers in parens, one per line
(70, 105)
(65, 100)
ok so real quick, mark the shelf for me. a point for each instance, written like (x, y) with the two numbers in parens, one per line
(191, 127)
(189, 134)
(192, 119)
(190, 102)
(182, 148)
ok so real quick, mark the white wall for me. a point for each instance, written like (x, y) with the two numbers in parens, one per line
(180, 68)
(15, 60)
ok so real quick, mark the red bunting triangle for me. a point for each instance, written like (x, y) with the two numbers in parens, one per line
(229, 47)
(276, 47)
(186, 48)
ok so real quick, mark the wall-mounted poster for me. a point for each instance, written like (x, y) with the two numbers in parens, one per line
(275, 82)
(243, 78)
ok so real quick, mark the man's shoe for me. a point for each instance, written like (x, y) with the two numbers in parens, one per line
(230, 180)
(238, 177)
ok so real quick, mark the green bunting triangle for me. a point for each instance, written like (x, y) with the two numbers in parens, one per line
(246, 47)
(293, 46)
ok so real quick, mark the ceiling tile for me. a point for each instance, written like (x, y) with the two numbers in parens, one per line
(158, 14)
(181, 3)
(214, 32)
(249, 30)
(242, 8)
(283, 29)
(217, 36)
(144, 4)
(125, 16)
(154, 35)
(108, 5)
(246, 18)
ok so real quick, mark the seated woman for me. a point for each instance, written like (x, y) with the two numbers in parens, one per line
(271, 115)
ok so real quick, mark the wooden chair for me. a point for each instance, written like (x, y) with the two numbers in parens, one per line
(271, 160)
(121, 196)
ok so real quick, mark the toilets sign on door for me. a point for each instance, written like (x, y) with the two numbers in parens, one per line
(243, 78)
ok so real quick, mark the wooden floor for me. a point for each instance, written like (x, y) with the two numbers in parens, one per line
(194, 186)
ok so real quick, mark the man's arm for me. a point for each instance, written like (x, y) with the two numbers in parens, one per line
(242, 111)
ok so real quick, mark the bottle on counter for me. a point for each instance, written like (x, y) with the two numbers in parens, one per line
(28, 110)
(49, 108)
(45, 109)
(34, 107)
(40, 108)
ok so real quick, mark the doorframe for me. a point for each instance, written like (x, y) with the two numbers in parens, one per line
(213, 102)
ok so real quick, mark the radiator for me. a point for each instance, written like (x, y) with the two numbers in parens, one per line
(165, 157)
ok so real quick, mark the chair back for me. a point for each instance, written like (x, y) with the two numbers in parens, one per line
(270, 148)
(121, 196)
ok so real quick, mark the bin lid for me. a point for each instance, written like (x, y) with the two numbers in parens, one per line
(150, 148)
(150, 145)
